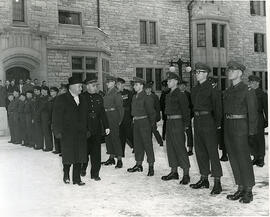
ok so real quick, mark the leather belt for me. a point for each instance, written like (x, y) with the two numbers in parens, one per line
(109, 109)
(172, 117)
(199, 113)
(231, 116)
(139, 117)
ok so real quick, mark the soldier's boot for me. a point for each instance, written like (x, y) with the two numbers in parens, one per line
(136, 168)
(66, 178)
(236, 196)
(202, 183)
(170, 176)
(150, 171)
(224, 158)
(247, 197)
(119, 164)
(83, 169)
(185, 180)
(217, 187)
(190, 152)
(260, 162)
(108, 162)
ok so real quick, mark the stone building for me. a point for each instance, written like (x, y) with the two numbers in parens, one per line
(51, 40)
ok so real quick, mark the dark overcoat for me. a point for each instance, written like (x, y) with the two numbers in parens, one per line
(69, 120)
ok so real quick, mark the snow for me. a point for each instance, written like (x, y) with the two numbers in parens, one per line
(31, 185)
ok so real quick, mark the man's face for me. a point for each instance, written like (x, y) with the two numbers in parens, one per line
(28, 81)
(36, 81)
(76, 88)
(62, 91)
(138, 87)
(7, 82)
(22, 98)
(201, 75)
(20, 81)
(44, 92)
(36, 92)
(13, 82)
(53, 93)
(182, 87)
(172, 83)
(110, 84)
(234, 74)
(148, 91)
(15, 94)
(10, 98)
(120, 86)
(91, 87)
(29, 95)
(254, 84)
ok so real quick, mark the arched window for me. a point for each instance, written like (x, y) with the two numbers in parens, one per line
(18, 11)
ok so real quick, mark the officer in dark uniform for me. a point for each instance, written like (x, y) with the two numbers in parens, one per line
(113, 104)
(144, 120)
(92, 102)
(22, 120)
(183, 88)
(125, 131)
(28, 111)
(240, 121)
(16, 117)
(149, 91)
(38, 140)
(164, 91)
(178, 119)
(207, 119)
(45, 114)
(10, 113)
(258, 143)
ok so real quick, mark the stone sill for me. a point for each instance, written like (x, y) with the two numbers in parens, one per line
(80, 30)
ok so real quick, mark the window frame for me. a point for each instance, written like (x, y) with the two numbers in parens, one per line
(264, 79)
(261, 10)
(147, 30)
(70, 11)
(204, 24)
(263, 41)
(220, 77)
(18, 22)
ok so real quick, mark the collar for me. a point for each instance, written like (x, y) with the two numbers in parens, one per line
(74, 95)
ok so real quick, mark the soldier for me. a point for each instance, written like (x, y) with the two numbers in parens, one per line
(22, 120)
(10, 113)
(164, 91)
(207, 119)
(258, 143)
(149, 92)
(96, 118)
(16, 117)
(28, 111)
(144, 119)
(45, 114)
(38, 140)
(113, 104)
(54, 92)
(69, 125)
(27, 86)
(183, 88)
(178, 119)
(240, 112)
(125, 131)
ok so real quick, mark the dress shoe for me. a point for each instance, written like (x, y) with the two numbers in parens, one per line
(190, 153)
(237, 195)
(150, 171)
(47, 150)
(254, 161)
(66, 179)
(96, 178)
(60, 155)
(260, 162)
(202, 183)
(119, 164)
(247, 197)
(224, 158)
(136, 168)
(83, 172)
(170, 176)
(161, 144)
(80, 183)
(185, 180)
(110, 161)
(217, 188)
(56, 152)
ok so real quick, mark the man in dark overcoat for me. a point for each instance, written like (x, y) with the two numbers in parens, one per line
(164, 91)
(69, 124)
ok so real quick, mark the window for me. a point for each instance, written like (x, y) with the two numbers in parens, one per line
(201, 36)
(18, 11)
(222, 36)
(259, 42)
(148, 32)
(257, 8)
(263, 77)
(220, 74)
(151, 74)
(84, 67)
(218, 35)
(214, 35)
(69, 17)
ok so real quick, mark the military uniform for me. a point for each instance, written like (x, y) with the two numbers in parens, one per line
(96, 122)
(28, 111)
(16, 121)
(164, 92)
(38, 140)
(11, 121)
(22, 122)
(114, 110)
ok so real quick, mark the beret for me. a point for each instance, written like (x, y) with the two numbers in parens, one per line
(138, 80)
(202, 66)
(254, 78)
(74, 80)
(121, 80)
(236, 66)
(171, 75)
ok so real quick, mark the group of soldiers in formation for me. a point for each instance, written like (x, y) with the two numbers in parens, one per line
(76, 121)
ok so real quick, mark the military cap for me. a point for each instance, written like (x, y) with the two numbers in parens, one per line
(171, 75)
(54, 89)
(121, 80)
(164, 83)
(90, 80)
(254, 78)
(149, 84)
(212, 80)
(138, 80)
(37, 88)
(110, 78)
(236, 66)
(202, 66)
(74, 80)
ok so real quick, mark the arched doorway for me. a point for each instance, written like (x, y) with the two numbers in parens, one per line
(17, 73)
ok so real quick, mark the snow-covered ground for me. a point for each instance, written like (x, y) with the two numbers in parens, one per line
(31, 185)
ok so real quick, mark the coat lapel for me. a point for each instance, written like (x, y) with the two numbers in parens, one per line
(71, 99)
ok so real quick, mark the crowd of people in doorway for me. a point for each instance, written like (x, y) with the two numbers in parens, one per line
(74, 119)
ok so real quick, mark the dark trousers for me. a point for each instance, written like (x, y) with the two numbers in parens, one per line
(46, 132)
(236, 141)
(22, 128)
(75, 172)
(206, 148)
(16, 127)
(94, 150)
(38, 135)
(189, 137)
(221, 142)
(176, 149)
(164, 127)
(57, 144)
(126, 134)
(29, 130)
(11, 127)
(157, 135)
(143, 140)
